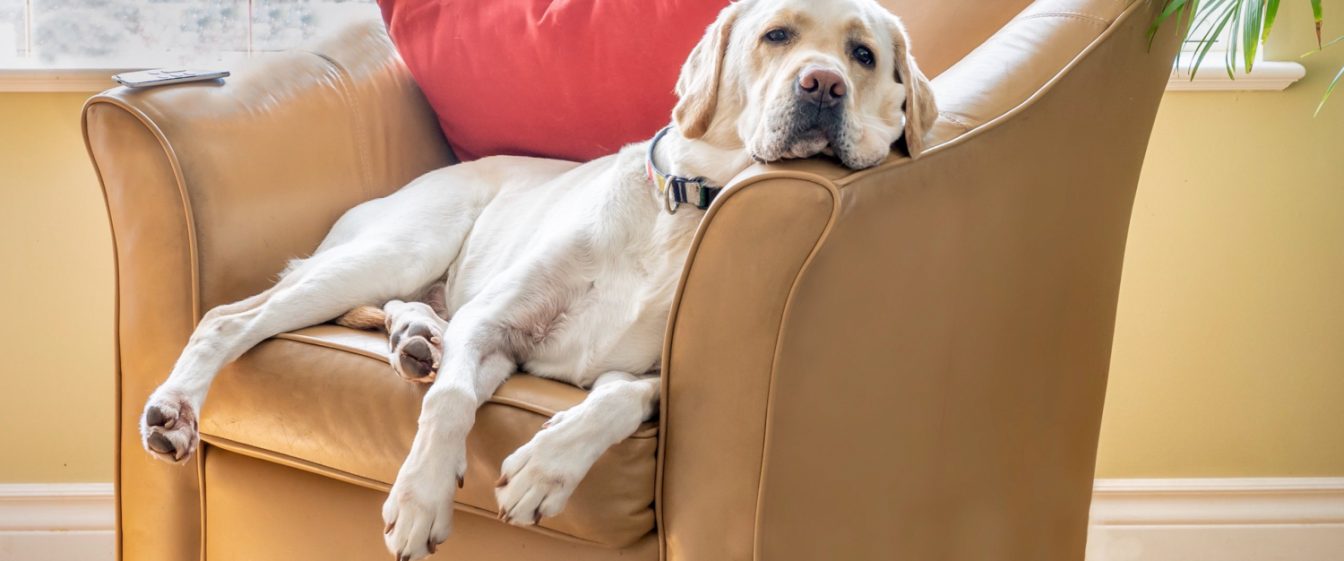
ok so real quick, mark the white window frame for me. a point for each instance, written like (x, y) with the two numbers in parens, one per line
(1211, 76)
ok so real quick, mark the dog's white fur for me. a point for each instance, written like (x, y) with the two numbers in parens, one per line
(568, 270)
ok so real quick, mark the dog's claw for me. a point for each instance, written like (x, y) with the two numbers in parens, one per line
(502, 481)
(461, 481)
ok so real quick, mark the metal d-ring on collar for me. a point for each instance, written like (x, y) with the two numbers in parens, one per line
(676, 189)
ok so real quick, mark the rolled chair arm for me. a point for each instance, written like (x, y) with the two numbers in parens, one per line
(210, 188)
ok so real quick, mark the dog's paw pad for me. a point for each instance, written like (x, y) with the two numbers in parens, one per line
(416, 340)
(168, 428)
(417, 360)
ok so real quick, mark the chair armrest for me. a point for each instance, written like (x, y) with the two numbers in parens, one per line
(210, 188)
(718, 356)
(910, 362)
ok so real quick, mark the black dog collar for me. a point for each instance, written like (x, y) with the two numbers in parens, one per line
(675, 189)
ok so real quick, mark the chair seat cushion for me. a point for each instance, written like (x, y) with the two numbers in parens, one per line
(324, 400)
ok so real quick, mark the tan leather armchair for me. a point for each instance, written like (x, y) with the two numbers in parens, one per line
(906, 362)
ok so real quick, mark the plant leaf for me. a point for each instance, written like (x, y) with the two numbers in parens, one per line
(1250, 30)
(1171, 7)
(1209, 39)
(1316, 14)
(1205, 12)
(1328, 91)
(1271, 11)
(1230, 53)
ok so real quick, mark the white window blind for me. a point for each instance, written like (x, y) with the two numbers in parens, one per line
(148, 33)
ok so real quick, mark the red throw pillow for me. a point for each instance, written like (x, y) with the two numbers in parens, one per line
(570, 79)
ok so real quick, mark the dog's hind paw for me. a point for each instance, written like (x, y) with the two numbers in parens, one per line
(416, 340)
(168, 427)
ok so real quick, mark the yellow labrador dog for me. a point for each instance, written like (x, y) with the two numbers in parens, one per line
(565, 269)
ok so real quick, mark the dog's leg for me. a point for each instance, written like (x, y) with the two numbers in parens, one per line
(382, 249)
(539, 477)
(418, 511)
(318, 289)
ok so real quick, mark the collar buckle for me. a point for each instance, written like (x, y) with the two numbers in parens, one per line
(675, 189)
(670, 202)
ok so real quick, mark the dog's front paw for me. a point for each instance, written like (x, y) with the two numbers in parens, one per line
(418, 519)
(419, 509)
(538, 478)
(168, 427)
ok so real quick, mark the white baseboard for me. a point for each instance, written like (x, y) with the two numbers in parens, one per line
(57, 522)
(1260, 519)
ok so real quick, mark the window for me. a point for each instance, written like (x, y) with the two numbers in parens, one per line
(150, 33)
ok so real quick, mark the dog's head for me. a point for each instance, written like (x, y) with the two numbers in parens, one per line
(795, 78)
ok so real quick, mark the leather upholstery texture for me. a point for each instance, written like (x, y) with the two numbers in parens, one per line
(906, 362)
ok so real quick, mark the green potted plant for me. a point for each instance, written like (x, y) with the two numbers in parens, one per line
(1243, 24)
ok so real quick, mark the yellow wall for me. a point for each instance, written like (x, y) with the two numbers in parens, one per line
(1229, 346)
(1229, 351)
(56, 282)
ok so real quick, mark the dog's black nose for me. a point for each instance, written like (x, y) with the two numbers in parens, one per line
(821, 86)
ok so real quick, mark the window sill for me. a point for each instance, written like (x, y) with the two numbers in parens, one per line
(1266, 76)
(85, 80)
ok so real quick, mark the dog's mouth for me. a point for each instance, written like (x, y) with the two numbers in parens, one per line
(804, 131)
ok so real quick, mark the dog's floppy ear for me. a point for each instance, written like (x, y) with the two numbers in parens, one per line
(920, 109)
(698, 85)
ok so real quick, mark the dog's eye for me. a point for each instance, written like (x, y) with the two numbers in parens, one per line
(777, 35)
(864, 55)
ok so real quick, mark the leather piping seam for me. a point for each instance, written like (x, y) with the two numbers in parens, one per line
(193, 263)
(200, 480)
(1012, 112)
(1077, 16)
(116, 335)
(271, 456)
(960, 119)
(665, 402)
(779, 348)
(645, 432)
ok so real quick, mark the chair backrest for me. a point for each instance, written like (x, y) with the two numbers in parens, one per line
(1027, 51)
(944, 31)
